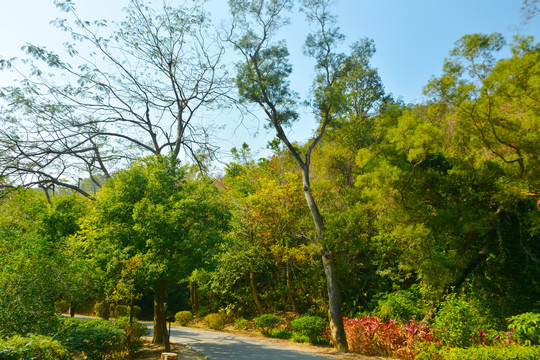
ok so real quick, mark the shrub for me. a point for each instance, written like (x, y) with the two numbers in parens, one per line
(241, 324)
(401, 304)
(183, 317)
(137, 311)
(267, 322)
(280, 334)
(525, 328)
(216, 321)
(34, 347)
(121, 311)
(95, 339)
(505, 352)
(134, 333)
(102, 310)
(312, 327)
(372, 336)
(297, 338)
(459, 324)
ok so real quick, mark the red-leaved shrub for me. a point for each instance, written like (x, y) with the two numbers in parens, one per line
(373, 336)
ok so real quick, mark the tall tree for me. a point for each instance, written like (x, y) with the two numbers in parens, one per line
(138, 91)
(155, 212)
(263, 80)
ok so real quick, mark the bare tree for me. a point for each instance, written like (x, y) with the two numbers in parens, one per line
(140, 90)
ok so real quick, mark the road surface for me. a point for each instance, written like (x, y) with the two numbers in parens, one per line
(225, 346)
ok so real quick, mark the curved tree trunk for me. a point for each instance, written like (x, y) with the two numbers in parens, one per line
(160, 317)
(337, 330)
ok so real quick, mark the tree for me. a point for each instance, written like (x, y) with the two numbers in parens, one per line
(29, 275)
(262, 80)
(139, 91)
(266, 245)
(452, 184)
(156, 212)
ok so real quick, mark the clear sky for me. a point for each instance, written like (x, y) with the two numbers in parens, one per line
(412, 37)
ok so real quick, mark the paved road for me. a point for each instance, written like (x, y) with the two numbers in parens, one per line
(225, 346)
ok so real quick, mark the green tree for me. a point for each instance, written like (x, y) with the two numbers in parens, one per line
(158, 212)
(29, 281)
(452, 184)
(263, 80)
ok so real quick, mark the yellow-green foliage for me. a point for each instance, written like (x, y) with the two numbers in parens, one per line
(183, 317)
(216, 321)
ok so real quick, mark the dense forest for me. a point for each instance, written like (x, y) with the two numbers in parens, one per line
(425, 213)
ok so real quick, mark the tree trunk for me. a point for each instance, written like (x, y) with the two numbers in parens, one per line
(193, 297)
(473, 263)
(160, 317)
(289, 289)
(337, 330)
(254, 292)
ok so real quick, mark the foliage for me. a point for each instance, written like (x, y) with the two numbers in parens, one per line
(102, 310)
(31, 273)
(267, 322)
(33, 347)
(525, 328)
(401, 304)
(373, 336)
(505, 352)
(152, 225)
(216, 321)
(312, 327)
(459, 323)
(121, 311)
(241, 324)
(280, 334)
(95, 339)
(135, 331)
(183, 317)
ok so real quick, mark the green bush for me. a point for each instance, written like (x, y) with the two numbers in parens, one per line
(216, 321)
(312, 327)
(137, 311)
(267, 322)
(280, 334)
(102, 310)
(94, 339)
(505, 352)
(297, 338)
(183, 317)
(526, 328)
(134, 334)
(401, 304)
(459, 323)
(121, 311)
(241, 324)
(34, 347)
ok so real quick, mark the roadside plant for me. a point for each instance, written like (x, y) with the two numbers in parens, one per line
(312, 327)
(183, 317)
(216, 321)
(525, 328)
(267, 322)
(33, 347)
(134, 332)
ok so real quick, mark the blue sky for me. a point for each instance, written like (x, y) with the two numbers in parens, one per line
(412, 37)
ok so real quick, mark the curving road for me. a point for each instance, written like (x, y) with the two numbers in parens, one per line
(225, 346)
